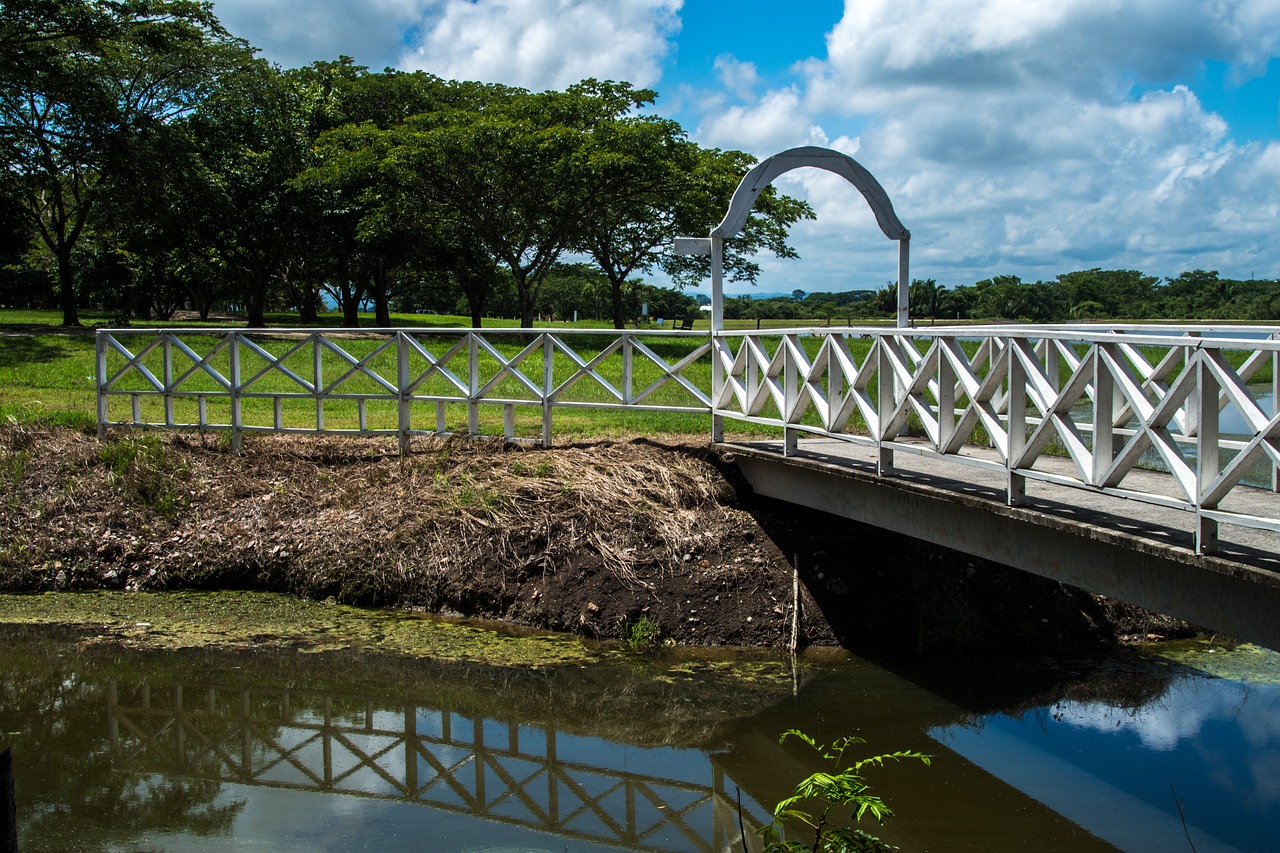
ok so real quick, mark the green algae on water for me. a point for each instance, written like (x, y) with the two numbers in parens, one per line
(1220, 659)
(240, 620)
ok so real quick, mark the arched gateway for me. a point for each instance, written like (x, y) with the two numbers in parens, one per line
(763, 174)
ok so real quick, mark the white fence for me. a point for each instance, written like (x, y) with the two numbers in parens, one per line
(1089, 406)
(392, 382)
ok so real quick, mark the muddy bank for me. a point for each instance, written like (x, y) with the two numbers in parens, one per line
(604, 540)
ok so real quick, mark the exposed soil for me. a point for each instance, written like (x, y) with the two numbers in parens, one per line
(594, 539)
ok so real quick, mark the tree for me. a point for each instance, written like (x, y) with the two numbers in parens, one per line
(645, 164)
(252, 135)
(560, 161)
(926, 298)
(378, 228)
(79, 80)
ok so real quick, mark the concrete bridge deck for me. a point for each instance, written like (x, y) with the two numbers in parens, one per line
(1137, 552)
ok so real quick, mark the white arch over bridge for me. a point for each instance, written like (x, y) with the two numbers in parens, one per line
(765, 173)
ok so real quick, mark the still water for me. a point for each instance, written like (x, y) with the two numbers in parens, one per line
(126, 750)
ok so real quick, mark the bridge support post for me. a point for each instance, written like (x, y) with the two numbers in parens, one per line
(717, 326)
(473, 395)
(1016, 489)
(548, 386)
(884, 461)
(100, 345)
(233, 356)
(1206, 534)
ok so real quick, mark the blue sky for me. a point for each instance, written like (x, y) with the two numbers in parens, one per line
(1013, 137)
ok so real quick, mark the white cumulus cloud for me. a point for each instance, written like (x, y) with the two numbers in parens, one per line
(1026, 138)
(545, 44)
(298, 32)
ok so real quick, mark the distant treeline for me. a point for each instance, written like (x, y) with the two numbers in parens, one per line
(1094, 294)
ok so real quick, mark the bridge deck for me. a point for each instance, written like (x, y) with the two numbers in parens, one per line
(1164, 525)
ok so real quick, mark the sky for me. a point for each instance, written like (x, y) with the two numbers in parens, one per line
(1013, 137)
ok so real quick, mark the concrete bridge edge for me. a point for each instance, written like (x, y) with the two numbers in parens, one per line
(1237, 600)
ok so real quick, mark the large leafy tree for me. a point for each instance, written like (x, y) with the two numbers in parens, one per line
(708, 192)
(377, 229)
(79, 81)
(254, 136)
(519, 168)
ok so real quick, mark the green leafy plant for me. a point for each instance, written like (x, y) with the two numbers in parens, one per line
(642, 634)
(842, 795)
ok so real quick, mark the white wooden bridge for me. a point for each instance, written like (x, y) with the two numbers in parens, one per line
(1138, 462)
(1150, 444)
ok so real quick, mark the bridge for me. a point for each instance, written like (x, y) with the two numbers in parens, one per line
(506, 777)
(1140, 462)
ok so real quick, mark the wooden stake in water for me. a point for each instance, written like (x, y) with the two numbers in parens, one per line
(795, 604)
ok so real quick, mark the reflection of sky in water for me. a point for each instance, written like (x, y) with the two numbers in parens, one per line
(1114, 771)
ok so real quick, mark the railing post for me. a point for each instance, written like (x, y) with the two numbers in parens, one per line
(473, 384)
(237, 438)
(1275, 408)
(317, 378)
(717, 327)
(1015, 483)
(1206, 454)
(402, 387)
(886, 386)
(548, 386)
(1103, 417)
(946, 397)
(168, 379)
(101, 352)
(790, 397)
(626, 368)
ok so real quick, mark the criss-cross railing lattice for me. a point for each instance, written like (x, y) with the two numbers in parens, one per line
(398, 382)
(502, 771)
(1078, 408)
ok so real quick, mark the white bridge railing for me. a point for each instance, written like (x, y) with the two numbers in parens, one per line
(1199, 404)
(1083, 407)
(401, 382)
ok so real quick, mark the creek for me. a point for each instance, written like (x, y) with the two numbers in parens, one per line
(251, 744)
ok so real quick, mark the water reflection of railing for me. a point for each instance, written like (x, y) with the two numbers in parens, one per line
(496, 770)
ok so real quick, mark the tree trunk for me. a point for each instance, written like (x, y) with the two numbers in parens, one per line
(308, 306)
(351, 307)
(526, 295)
(615, 294)
(378, 289)
(67, 287)
(255, 303)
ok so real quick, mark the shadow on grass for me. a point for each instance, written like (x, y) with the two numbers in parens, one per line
(18, 350)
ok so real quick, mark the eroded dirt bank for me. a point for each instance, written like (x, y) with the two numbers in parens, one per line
(593, 539)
